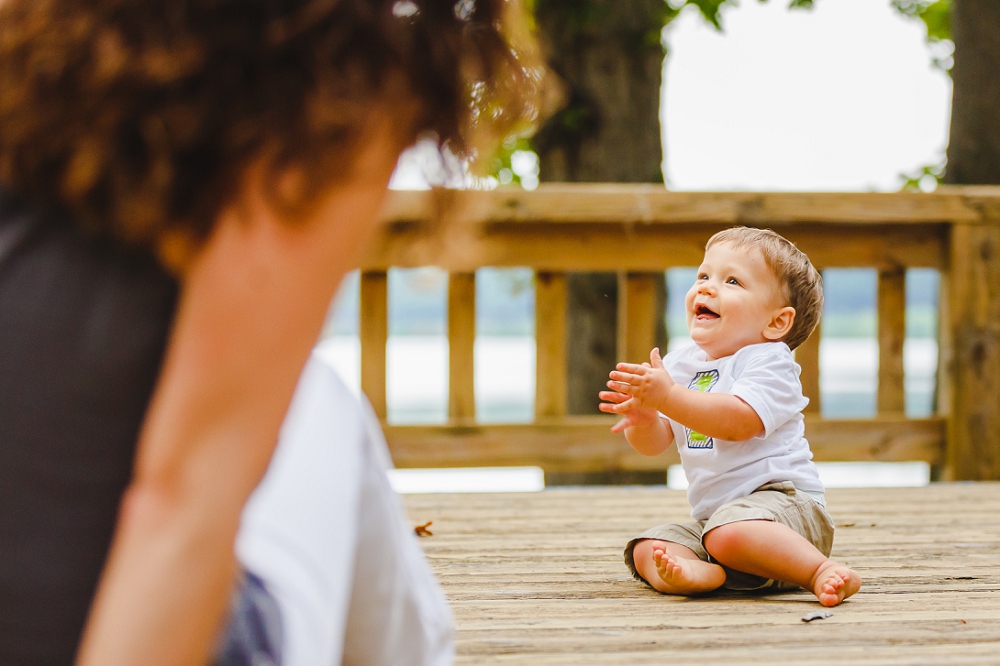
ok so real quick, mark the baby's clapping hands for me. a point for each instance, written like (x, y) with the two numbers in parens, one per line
(638, 392)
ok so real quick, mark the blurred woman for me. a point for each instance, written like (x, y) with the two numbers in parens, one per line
(182, 186)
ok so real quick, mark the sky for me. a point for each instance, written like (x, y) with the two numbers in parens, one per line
(840, 97)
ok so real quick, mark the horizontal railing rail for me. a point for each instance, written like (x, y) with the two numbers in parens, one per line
(639, 231)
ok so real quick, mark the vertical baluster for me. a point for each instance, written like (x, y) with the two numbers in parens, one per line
(461, 345)
(941, 404)
(891, 335)
(550, 341)
(807, 356)
(374, 329)
(945, 343)
(637, 315)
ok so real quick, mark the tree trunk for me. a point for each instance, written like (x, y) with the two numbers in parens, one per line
(610, 58)
(974, 148)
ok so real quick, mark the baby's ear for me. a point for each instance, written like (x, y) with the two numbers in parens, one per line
(781, 324)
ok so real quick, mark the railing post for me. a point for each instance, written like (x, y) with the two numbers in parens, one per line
(550, 342)
(807, 356)
(637, 313)
(891, 337)
(374, 333)
(461, 346)
(973, 450)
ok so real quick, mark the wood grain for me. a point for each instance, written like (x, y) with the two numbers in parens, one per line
(653, 246)
(974, 312)
(609, 202)
(461, 345)
(807, 356)
(637, 316)
(891, 397)
(586, 443)
(373, 324)
(550, 344)
(539, 579)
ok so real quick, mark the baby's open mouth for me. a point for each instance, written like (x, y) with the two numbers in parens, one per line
(703, 312)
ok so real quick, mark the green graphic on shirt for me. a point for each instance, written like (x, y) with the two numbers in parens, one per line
(703, 383)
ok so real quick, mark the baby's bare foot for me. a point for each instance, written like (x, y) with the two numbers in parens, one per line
(834, 582)
(685, 576)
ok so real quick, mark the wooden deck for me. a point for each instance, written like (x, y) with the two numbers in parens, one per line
(539, 579)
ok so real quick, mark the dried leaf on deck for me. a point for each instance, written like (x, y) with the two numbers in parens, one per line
(422, 531)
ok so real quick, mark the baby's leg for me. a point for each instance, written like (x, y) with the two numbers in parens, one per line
(675, 569)
(772, 550)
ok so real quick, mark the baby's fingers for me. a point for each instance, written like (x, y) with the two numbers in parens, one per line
(626, 377)
(612, 396)
(621, 425)
(620, 387)
(611, 408)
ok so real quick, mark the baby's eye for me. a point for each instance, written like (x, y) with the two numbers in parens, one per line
(702, 276)
(732, 280)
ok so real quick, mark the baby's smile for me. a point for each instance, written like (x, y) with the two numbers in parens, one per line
(703, 313)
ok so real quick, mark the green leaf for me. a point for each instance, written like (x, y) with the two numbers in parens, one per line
(936, 15)
(925, 178)
(711, 10)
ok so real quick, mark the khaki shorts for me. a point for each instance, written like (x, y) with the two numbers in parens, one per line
(777, 502)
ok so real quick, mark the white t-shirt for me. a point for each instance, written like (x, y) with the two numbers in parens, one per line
(329, 538)
(766, 377)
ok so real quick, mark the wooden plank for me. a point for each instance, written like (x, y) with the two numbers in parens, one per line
(538, 578)
(574, 444)
(891, 336)
(882, 439)
(614, 246)
(807, 356)
(461, 345)
(637, 316)
(974, 311)
(648, 204)
(550, 344)
(586, 444)
(374, 334)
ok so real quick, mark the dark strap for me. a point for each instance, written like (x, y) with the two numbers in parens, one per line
(15, 227)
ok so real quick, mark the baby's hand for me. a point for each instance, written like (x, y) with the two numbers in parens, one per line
(632, 417)
(648, 385)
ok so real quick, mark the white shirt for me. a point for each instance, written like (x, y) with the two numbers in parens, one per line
(328, 536)
(766, 377)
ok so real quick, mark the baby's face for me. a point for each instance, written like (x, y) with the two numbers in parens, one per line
(733, 302)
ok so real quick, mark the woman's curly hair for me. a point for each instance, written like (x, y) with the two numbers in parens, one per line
(141, 116)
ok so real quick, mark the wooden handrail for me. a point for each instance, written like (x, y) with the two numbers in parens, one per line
(639, 231)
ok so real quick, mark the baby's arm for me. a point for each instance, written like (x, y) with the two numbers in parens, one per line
(717, 415)
(650, 440)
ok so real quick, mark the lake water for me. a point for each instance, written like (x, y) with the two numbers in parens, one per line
(417, 392)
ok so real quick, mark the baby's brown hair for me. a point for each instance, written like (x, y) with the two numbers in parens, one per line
(799, 279)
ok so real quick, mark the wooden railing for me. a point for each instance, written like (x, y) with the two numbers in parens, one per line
(639, 231)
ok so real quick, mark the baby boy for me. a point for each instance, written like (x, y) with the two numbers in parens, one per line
(732, 402)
